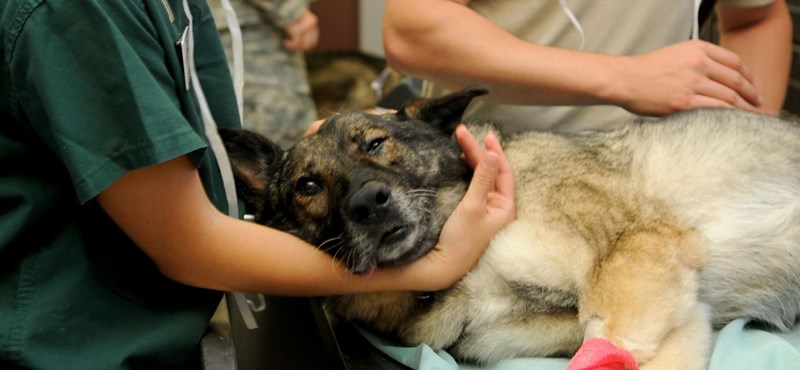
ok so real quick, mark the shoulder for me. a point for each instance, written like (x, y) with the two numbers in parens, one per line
(85, 37)
(70, 19)
(20, 12)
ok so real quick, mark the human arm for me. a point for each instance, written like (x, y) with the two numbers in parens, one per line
(453, 46)
(762, 36)
(487, 207)
(314, 127)
(166, 212)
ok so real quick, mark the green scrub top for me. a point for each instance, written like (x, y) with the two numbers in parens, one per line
(91, 89)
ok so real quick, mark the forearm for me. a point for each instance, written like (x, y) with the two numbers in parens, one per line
(453, 46)
(765, 45)
(241, 256)
(449, 44)
(166, 212)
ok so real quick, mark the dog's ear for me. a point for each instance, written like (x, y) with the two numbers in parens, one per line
(253, 158)
(444, 112)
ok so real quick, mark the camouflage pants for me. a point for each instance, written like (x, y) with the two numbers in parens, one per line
(277, 97)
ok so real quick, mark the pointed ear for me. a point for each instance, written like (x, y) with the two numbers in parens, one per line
(444, 112)
(253, 158)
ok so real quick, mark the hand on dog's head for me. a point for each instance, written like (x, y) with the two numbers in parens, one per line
(311, 189)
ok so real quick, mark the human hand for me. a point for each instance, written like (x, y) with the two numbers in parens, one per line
(303, 33)
(683, 76)
(314, 127)
(487, 207)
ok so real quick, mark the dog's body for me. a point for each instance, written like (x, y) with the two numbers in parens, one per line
(646, 236)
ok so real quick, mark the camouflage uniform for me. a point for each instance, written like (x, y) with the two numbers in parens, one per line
(277, 97)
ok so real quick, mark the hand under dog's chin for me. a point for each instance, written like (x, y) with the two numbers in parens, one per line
(411, 249)
(405, 246)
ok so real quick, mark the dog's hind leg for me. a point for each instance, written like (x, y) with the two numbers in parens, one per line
(643, 289)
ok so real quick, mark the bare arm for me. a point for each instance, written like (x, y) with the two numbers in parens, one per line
(448, 43)
(166, 212)
(762, 36)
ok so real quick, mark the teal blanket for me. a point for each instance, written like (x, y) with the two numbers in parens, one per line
(736, 346)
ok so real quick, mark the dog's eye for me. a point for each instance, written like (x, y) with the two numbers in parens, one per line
(374, 146)
(307, 186)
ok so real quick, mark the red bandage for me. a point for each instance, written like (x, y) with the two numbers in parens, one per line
(600, 354)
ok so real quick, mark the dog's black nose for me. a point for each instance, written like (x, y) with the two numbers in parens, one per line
(370, 200)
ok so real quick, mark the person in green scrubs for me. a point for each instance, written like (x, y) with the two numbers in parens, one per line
(114, 241)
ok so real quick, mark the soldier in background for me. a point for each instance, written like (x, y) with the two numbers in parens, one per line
(277, 96)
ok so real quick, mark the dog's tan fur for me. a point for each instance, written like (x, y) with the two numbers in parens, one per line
(648, 236)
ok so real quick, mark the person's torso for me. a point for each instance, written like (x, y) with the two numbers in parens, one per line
(89, 90)
(617, 27)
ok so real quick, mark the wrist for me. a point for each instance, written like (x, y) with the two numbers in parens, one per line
(396, 278)
(610, 82)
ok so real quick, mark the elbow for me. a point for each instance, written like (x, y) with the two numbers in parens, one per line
(410, 49)
(178, 272)
(397, 52)
(184, 271)
(775, 16)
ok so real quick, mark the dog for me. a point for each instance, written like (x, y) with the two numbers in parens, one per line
(648, 236)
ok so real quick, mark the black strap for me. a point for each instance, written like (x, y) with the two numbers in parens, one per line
(706, 8)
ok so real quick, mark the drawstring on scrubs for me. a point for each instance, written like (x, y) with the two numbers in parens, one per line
(214, 140)
(237, 47)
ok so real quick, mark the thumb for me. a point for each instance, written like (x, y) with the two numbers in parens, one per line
(484, 178)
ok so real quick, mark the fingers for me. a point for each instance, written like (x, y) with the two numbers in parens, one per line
(485, 165)
(379, 111)
(505, 176)
(715, 94)
(303, 34)
(727, 58)
(493, 172)
(314, 127)
(470, 146)
(484, 179)
(487, 207)
(688, 75)
(729, 71)
(493, 145)
(301, 41)
(473, 154)
(732, 74)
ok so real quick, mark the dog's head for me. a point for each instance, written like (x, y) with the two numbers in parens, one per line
(371, 190)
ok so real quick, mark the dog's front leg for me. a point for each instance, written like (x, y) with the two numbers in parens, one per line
(641, 296)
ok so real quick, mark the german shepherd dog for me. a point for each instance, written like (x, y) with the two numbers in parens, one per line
(648, 236)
